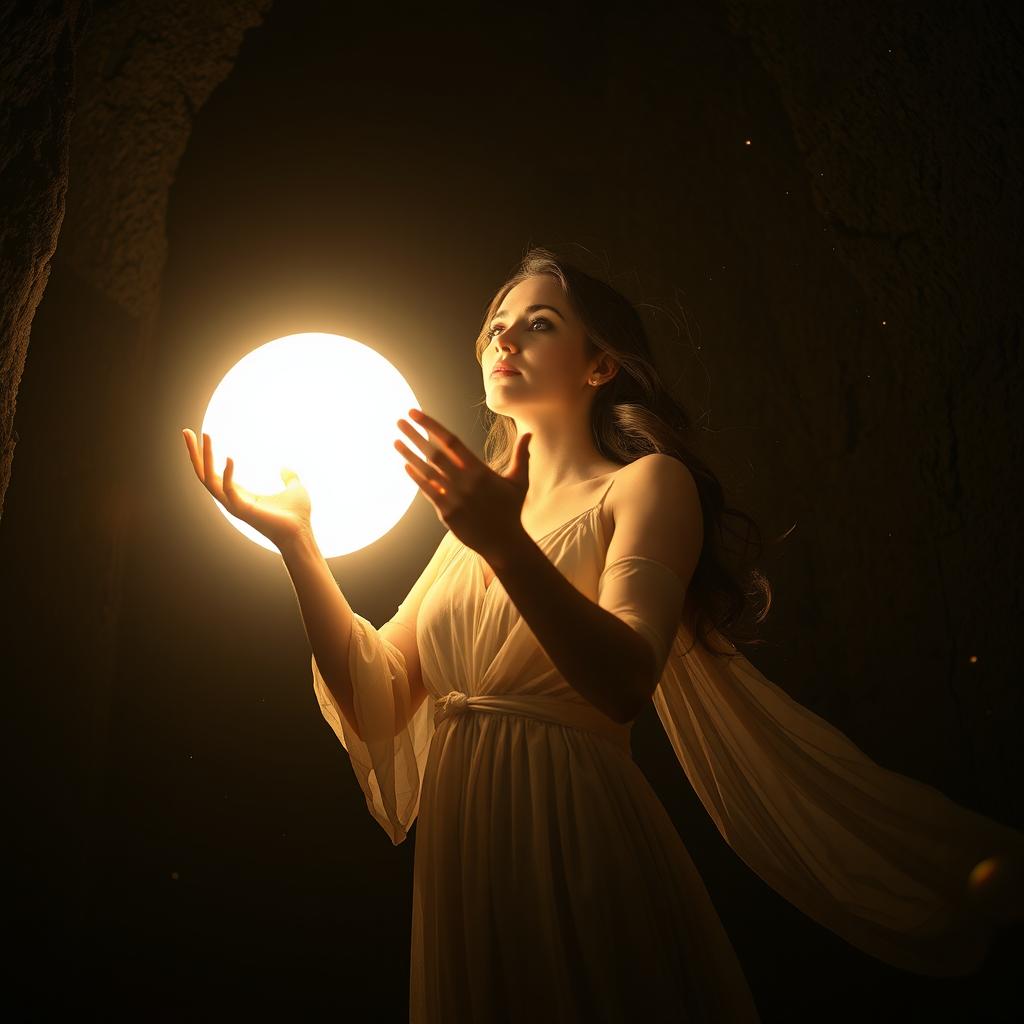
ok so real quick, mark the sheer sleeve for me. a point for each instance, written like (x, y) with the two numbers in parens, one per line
(389, 751)
(880, 859)
(647, 596)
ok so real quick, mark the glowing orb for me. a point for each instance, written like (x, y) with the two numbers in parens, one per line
(325, 406)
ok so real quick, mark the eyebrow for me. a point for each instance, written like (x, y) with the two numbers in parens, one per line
(529, 309)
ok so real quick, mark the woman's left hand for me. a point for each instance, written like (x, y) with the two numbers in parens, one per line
(481, 507)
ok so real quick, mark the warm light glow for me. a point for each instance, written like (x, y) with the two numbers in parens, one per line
(995, 886)
(983, 873)
(325, 406)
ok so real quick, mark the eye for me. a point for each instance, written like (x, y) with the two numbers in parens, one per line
(535, 320)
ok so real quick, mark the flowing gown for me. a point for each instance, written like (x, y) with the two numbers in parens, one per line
(550, 882)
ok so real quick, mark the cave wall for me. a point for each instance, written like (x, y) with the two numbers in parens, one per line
(142, 70)
(37, 46)
(850, 274)
(901, 114)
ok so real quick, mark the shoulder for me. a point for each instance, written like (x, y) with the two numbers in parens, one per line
(659, 476)
(656, 492)
(657, 514)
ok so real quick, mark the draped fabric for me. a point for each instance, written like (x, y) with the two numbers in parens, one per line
(389, 750)
(881, 859)
(547, 872)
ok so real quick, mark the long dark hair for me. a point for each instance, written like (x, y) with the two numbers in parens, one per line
(633, 415)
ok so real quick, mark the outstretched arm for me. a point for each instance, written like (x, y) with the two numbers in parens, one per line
(326, 614)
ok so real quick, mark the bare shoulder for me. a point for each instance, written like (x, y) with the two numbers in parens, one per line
(654, 503)
(659, 476)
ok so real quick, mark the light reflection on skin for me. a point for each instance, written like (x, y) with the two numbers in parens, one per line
(552, 396)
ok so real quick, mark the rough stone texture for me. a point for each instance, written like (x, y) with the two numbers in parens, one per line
(147, 69)
(37, 44)
(142, 71)
(903, 114)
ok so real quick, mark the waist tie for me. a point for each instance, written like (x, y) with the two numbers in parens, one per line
(546, 709)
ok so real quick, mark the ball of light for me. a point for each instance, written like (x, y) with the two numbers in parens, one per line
(324, 406)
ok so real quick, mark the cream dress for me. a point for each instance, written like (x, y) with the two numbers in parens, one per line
(550, 883)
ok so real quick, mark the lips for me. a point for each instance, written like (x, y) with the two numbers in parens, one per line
(504, 371)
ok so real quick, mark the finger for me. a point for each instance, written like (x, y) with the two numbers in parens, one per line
(237, 494)
(433, 490)
(211, 478)
(434, 452)
(449, 444)
(228, 482)
(207, 460)
(450, 440)
(193, 452)
(425, 470)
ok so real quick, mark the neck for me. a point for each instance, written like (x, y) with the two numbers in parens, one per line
(560, 458)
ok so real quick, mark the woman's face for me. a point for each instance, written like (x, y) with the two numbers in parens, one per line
(546, 345)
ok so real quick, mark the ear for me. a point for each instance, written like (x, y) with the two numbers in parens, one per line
(606, 368)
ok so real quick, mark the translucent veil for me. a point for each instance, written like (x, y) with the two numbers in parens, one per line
(879, 858)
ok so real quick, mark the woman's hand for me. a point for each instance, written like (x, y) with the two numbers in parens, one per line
(279, 517)
(482, 508)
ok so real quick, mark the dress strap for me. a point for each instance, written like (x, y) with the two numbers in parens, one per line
(600, 503)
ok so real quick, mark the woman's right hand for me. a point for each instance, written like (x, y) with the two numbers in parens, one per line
(279, 517)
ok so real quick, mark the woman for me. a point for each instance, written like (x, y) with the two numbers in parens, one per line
(580, 576)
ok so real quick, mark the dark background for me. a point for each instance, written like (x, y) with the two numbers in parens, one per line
(817, 206)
